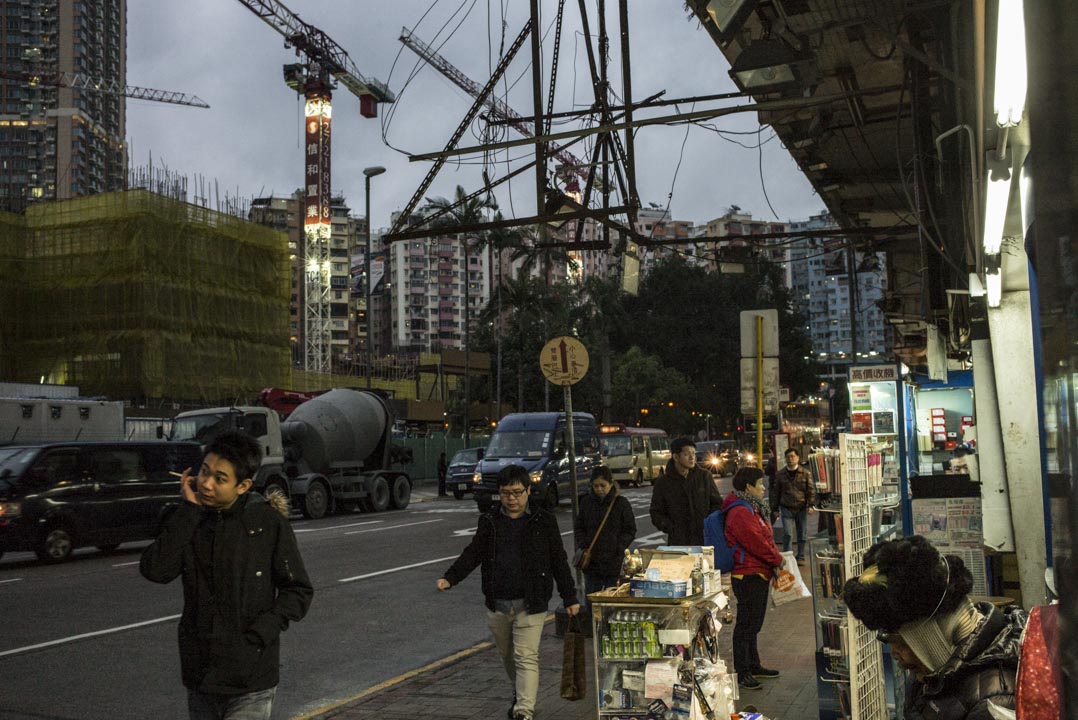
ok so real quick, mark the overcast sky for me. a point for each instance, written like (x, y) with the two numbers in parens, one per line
(250, 141)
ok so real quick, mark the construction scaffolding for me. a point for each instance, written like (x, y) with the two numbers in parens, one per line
(135, 296)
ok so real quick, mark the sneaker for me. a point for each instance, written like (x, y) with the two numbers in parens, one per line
(521, 716)
(746, 681)
(761, 672)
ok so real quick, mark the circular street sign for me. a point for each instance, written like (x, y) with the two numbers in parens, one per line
(564, 360)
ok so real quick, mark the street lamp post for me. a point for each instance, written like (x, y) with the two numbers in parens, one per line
(368, 173)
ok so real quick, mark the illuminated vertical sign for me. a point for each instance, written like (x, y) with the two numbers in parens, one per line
(316, 177)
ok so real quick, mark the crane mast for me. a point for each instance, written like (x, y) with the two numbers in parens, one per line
(325, 64)
(574, 167)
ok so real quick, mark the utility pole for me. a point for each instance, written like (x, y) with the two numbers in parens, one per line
(368, 173)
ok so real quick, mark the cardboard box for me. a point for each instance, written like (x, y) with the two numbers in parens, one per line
(659, 588)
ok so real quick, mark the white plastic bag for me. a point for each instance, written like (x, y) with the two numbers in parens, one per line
(788, 586)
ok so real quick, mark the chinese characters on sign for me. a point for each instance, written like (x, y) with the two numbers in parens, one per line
(564, 360)
(873, 373)
(316, 176)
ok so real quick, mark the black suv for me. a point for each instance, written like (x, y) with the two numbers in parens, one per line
(54, 498)
(461, 470)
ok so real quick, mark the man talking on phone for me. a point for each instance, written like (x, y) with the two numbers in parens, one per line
(243, 582)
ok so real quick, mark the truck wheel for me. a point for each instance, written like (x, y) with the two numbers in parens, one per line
(316, 501)
(458, 494)
(378, 497)
(402, 492)
(56, 545)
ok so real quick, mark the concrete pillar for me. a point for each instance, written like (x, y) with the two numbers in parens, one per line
(1015, 375)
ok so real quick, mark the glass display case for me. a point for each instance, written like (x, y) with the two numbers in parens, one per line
(660, 655)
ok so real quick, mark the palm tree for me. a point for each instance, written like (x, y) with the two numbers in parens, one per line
(462, 212)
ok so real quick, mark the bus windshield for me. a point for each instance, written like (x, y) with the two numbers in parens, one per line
(519, 443)
(614, 445)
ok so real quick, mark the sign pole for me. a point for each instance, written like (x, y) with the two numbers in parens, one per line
(564, 361)
(572, 449)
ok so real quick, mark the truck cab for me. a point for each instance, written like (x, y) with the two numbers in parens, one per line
(261, 423)
(538, 442)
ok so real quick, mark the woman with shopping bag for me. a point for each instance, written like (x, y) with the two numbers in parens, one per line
(756, 561)
(604, 529)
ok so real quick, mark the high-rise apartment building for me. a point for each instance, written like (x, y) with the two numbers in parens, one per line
(347, 309)
(429, 284)
(819, 275)
(56, 141)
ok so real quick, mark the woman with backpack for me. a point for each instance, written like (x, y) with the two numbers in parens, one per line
(756, 561)
(605, 527)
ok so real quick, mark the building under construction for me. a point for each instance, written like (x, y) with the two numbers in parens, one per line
(134, 296)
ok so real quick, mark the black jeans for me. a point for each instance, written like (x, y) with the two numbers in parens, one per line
(751, 593)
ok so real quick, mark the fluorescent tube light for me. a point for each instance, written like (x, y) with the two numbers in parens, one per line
(1010, 90)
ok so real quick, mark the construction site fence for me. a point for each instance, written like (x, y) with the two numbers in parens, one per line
(425, 452)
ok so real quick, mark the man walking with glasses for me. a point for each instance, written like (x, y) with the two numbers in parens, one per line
(519, 548)
(683, 497)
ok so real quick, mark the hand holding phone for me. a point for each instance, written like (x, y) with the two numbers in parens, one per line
(189, 487)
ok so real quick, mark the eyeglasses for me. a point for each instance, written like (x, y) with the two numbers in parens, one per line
(511, 493)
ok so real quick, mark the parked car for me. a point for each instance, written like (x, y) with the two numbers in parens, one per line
(57, 497)
(461, 469)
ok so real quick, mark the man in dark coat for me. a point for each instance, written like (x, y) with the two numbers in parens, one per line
(243, 582)
(962, 655)
(683, 497)
(518, 546)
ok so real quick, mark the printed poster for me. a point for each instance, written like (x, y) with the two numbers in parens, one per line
(883, 422)
(862, 423)
(860, 397)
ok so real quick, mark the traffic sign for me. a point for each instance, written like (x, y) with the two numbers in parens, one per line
(748, 385)
(770, 332)
(564, 360)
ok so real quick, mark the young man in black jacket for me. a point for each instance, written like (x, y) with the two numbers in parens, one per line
(243, 582)
(519, 548)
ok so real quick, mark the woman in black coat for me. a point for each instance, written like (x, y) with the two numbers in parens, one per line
(617, 533)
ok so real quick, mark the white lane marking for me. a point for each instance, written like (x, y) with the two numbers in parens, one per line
(10, 580)
(73, 638)
(393, 527)
(637, 517)
(655, 538)
(397, 569)
(465, 532)
(133, 562)
(336, 527)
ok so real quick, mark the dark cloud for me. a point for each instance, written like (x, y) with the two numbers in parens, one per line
(249, 142)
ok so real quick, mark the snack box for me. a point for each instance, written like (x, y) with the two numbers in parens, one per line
(659, 588)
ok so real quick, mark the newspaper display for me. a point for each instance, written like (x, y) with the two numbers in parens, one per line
(949, 522)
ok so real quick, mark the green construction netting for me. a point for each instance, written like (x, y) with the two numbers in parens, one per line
(132, 295)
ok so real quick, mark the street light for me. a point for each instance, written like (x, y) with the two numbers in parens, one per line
(368, 173)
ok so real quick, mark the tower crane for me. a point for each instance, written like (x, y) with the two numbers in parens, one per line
(81, 81)
(325, 63)
(573, 166)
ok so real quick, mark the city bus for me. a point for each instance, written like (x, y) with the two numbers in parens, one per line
(634, 455)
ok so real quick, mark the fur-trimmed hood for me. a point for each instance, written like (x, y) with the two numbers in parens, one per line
(906, 580)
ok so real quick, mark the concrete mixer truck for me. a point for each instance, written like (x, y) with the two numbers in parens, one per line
(331, 454)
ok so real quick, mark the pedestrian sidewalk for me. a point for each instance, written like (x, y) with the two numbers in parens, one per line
(471, 684)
